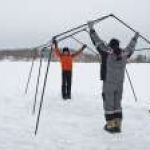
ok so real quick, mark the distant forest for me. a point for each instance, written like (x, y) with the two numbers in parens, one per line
(29, 54)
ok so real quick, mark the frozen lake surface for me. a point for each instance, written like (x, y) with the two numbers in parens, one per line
(70, 125)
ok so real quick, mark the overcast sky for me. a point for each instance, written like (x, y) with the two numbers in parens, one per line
(27, 23)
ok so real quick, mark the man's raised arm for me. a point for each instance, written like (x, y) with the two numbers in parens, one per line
(56, 49)
(79, 51)
(100, 45)
(131, 46)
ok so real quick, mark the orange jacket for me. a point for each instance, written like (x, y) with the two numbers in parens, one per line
(66, 60)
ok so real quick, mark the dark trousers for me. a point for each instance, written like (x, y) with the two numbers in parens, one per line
(66, 84)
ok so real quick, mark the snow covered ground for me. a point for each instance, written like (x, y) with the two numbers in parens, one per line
(70, 125)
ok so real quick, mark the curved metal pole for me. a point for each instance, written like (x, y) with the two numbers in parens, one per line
(37, 84)
(83, 44)
(125, 24)
(65, 37)
(131, 85)
(29, 76)
(142, 49)
(43, 92)
(81, 26)
(89, 48)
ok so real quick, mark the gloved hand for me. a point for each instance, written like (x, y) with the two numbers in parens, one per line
(136, 36)
(90, 24)
(54, 42)
(84, 46)
(44, 49)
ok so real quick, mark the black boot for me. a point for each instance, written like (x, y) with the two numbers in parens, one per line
(68, 96)
(65, 97)
(64, 93)
(69, 91)
(110, 126)
(118, 125)
(113, 126)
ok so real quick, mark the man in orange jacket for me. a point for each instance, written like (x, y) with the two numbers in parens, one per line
(66, 60)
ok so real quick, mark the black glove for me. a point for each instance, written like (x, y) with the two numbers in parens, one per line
(54, 41)
(136, 36)
(90, 24)
(44, 48)
(84, 46)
